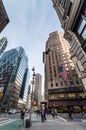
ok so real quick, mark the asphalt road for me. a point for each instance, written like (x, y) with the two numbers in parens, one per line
(61, 122)
(76, 117)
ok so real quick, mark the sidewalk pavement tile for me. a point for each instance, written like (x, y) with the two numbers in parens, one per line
(14, 125)
(11, 126)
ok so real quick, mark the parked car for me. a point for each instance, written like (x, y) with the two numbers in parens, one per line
(13, 111)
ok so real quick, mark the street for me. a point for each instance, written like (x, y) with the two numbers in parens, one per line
(76, 117)
(58, 126)
(61, 122)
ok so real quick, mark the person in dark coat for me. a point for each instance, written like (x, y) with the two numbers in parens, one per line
(70, 114)
(22, 117)
(43, 115)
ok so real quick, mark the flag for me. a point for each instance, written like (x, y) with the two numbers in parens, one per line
(63, 72)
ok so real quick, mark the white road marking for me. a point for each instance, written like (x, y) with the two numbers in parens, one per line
(6, 122)
(62, 118)
(83, 120)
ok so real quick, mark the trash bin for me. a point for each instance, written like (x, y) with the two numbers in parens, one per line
(27, 123)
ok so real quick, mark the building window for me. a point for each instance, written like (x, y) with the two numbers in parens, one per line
(70, 6)
(65, 3)
(77, 82)
(55, 75)
(59, 1)
(82, 24)
(82, 28)
(50, 72)
(61, 83)
(71, 82)
(56, 84)
(84, 33)
(51, 80)
(51, 84)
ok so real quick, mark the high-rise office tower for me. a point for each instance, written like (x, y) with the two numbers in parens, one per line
(72, 15)
(38, 89)
(4, 20)
(13, 79)
(3, 44)
(61, 90)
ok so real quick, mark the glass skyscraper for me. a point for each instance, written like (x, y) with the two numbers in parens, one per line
(3, 44)
(14, 78)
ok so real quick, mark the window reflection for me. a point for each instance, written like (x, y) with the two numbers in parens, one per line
(83, 22)
(84, 34)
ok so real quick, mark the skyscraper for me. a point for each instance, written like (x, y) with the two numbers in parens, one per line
(72, 15)
(38, 89)
(3, 44)
(4, 20)
(13, 78)
(60, 91)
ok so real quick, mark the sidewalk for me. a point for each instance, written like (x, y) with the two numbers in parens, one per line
(49, 126)
(54, 124)
(11, 126)
(14, 125)
(39, 126)
(44, 126)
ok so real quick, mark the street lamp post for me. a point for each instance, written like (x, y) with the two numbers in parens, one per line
(33, 69)
(33, 76)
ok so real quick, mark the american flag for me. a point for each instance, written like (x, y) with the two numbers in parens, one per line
(63, 72)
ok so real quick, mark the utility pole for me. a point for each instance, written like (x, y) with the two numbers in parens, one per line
(33, 77)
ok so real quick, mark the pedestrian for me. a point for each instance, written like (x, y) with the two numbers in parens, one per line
(22, 115)
(43, 115)
(53, 113)
(70, 114)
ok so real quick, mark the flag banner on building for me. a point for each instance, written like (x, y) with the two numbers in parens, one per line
(63, 72)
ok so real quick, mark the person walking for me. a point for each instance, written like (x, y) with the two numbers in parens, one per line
(22, 115)
(70, 114)
(43, 115)
(53, 113)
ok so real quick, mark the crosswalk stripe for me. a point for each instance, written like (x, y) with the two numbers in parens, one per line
(83, 120)
(62, 118)
(6, 121)
(49, 118)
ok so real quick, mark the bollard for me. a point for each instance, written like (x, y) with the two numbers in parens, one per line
(27, 123)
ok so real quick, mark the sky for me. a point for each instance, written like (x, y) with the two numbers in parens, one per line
(31, 22)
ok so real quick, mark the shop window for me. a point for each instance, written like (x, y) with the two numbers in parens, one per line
(71, 95)
(61, 96)
(52, 97)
